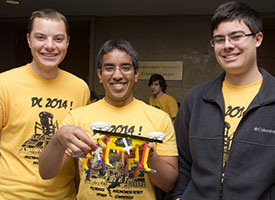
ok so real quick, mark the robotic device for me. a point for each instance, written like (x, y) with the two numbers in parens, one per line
(136, 147)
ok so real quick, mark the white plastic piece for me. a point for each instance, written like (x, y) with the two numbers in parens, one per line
(100, 126)
(156, 135)
(126, 148)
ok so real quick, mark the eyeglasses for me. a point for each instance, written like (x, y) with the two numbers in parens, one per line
(123, 69)
(234, 38)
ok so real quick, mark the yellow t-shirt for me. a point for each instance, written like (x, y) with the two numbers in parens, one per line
(236, 99)
(31, 110)
(166, 103)
(137, 118)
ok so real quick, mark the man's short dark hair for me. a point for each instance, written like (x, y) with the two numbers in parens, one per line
(160, 78)
(119, 44)
(230, 11)
(47, 13)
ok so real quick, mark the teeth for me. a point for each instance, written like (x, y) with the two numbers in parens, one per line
(49, 55)
(117, 85)
(231, 56)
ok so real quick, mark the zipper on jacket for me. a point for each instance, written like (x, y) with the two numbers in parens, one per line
(250, 107)
(221, 190)
(222, 167)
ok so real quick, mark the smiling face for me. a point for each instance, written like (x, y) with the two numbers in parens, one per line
(239, 58)
(118, 77)
(48, 42)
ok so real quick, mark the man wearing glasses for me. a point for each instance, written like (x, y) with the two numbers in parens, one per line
(118, 71)
(225, 128)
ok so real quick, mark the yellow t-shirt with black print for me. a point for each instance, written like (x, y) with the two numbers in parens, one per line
(31, 111)
(138, 119)
(236, 101)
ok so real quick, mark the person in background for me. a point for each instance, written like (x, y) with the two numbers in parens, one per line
(34, 99)
(118, 70)
(225, 128)
(159, 98)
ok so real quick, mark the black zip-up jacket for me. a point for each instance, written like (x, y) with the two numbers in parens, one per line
(199, 126)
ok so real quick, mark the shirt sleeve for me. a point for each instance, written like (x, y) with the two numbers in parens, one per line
(173, 107)
(3, 117)
(169, 145)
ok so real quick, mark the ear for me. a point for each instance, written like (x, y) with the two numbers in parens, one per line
(136, 74)
(259, 39)
(29, 40)
(68, 41)
(99, 74)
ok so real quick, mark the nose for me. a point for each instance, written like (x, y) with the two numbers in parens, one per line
(49, 44)
(227, 43)
(117, 75)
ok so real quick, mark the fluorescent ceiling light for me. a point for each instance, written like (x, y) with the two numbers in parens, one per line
(15, 2)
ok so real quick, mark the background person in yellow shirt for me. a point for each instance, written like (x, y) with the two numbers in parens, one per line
(159, 98)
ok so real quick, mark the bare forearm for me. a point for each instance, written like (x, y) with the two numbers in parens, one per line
(167, 171)
(52, 159)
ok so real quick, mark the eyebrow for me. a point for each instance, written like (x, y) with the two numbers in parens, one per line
(38, 33)
(111, 64)
(57, 35)
(231, 33)
(123, 64)
(108, 64)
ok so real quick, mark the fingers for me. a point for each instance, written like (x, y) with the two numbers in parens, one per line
(84, 140)
(75, 140)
